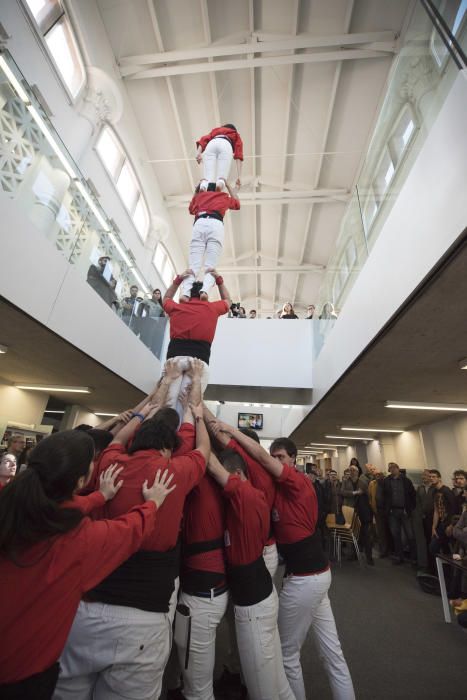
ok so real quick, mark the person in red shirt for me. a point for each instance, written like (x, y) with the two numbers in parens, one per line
(120, 641)
(254, 596)
(207, 238)
(304, 603)
(50, 554)
(192, 328)
(219, 146)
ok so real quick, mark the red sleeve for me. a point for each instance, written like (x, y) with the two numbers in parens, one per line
(189, 470)
(109, 456)
(243, 497)
(192, 207)
(234, 203)
(105, 544)
(220, 307)
(259, 477)
(187, 435)
(204, 140)
(86, 503)
(238, 150)
(169, 305)
(290, 481)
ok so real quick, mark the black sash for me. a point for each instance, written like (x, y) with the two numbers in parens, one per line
(189, 348)
(249, 583)
(304, 557)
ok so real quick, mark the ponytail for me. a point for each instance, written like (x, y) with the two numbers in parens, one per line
(30, 505)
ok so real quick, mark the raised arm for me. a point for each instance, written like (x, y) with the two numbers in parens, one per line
(223, 291)
(203, 443)
(217, 471)
(233, 192)
(172, 290)
(254, 449)
(128, 430)
(209, 418)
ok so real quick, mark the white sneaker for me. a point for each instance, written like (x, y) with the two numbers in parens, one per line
(220, 184)
(203, 186)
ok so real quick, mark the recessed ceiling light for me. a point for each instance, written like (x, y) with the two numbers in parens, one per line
(349, 437)
(108, 415)
(3, 349)
(285, 406)
(53, 389)
(49, 411)
(463, 364)
(324, 444)
(421, 406)
(373, 430)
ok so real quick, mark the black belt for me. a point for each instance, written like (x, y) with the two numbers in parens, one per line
(224, 137)
(211, 215)
(213, 593)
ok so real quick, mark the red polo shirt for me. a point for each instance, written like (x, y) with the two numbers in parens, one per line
(247, 522)
(40, 600)
(187, 435)
(141, 466)
(233, 136)
(195, 319)
(259, 477)
(204, 520)
(295, 510)
(213, 201)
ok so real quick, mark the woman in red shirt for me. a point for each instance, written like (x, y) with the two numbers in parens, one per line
(219, 146)
(50, 554)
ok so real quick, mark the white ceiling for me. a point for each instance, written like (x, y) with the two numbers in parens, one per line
(305, 116)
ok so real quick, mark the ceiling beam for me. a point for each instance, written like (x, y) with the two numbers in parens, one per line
(282, 197)
(254, 269)
(377, 41)
(318, 57)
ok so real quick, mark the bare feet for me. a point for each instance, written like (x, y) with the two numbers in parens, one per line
(203, 296)
(184, 299)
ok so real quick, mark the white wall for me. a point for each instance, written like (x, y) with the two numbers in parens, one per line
(276, 420)
(21, 406)
(429, 215)
(259, 353)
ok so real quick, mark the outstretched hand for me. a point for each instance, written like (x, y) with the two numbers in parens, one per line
(108, 485)
(172, 369)
(159, 491)
(196, 368)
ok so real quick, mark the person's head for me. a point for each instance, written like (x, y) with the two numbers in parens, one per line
(460, 479)
(435, 478)
(426, 478)
(379, 476)
(310, 310)
(113, 282)
(229, 126)
(157, 295)
(394, 469)
(133, 291)
(354, 473)
(102, 262)
(169, 416)
(355, 463)
(7, 467)
(284, 450)
(101, 439)
(241, 312)
(196, 289)
(370, 469)
(332, 475)
(84, 427)
(287, 308)
(16, 444)
(31, 506)
(252, 313)
(250, 433)
(155, 435)
(233, 463)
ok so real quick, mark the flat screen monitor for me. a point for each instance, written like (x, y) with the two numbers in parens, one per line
(250, 420)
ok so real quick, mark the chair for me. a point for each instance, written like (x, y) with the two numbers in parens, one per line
(348, 532)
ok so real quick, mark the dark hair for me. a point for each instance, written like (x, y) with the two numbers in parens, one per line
(286, 444)
(101, 439)
(230, 126)
(354, 462)
(211, 187)
(30, 505)
(196, 289)
(249, 432)
(460, 472)
(435, 471)
(232, 461)
(83, 426)
(154, 435)
(167, 415)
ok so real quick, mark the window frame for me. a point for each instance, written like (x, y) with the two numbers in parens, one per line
(165, 259)
(42, 33)
(125, 161)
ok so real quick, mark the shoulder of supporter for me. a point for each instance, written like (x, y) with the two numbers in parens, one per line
(169, 305)
(221, 307)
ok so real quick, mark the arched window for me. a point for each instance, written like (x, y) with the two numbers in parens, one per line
(54, 27)
(163, 265)
(122, 174)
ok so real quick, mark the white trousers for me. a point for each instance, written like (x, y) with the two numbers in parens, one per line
(207, 240)
(206, 614)
(304, 603)
(182, 382)
(260, 650)
(217, 159)
(114, 652)
(271, 559)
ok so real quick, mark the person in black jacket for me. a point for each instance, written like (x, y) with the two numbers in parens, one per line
(399, 500)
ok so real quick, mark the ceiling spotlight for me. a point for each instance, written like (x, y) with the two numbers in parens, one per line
(421, 406)
(374, 430)
(324, 444)
(349, 437)
(463, 364)
(3, 349)
(105, 415)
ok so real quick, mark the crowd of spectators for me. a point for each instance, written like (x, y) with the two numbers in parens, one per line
(398, 520)
(328, 312)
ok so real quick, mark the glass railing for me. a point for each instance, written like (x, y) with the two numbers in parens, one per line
(38, 172)
(420, 79)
